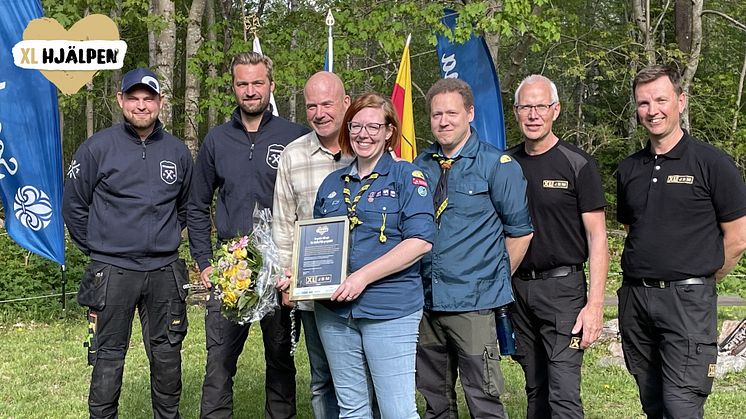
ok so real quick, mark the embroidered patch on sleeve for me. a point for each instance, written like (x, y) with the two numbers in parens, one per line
(418, 181)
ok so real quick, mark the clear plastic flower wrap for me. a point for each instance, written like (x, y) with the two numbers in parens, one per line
(245, 270)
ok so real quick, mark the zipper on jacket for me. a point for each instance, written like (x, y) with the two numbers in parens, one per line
(251, 152)
(143, 150)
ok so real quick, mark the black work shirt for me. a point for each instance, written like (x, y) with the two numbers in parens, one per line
(563, 183)
(673, 204)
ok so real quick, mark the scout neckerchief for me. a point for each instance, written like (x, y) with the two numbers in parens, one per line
(352, 203)
(440, 198)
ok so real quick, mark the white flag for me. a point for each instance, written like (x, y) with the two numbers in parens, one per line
(258, 50)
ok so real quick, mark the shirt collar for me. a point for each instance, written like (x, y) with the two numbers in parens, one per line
(382, 167)
(468, 150)
(314, 144)
(677, 152)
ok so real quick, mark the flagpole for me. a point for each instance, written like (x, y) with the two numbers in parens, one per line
(64, 282)
(330, 40)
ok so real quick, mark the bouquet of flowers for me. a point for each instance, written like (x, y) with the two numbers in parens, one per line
(244, 272)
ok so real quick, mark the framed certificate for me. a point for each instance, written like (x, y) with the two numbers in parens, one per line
(319, 257)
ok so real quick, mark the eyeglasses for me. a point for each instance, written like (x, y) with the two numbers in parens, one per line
(372, 128)
(540, 109)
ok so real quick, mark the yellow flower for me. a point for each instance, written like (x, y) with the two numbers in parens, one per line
(231, 272)
(242, 284)
(240, 253)
(230, 298)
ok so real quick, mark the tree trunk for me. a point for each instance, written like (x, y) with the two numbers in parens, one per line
(693, 59)
(683, 13)
(152, 36)
(116, 75)
(292, 100)
(89, 109)
(737, 110)
(192, 87)
(212, 71)
(165, 57)
(518, 56)
(641, 17)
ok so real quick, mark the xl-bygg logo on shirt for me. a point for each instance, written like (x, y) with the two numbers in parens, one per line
(687, 179)
(273, 155)
(168, 172)
(555, 184)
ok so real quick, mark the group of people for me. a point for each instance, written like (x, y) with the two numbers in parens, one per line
(435, 247)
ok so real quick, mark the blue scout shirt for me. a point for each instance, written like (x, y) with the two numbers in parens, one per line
(468, 268)
(399, 194)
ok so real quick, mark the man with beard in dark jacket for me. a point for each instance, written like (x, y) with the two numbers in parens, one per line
(125, 206)
(239, 159)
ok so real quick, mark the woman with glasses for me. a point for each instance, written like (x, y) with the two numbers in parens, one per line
(369, 327)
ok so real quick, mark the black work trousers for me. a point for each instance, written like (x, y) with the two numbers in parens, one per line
(159, 298)
(225, 341)
(544, 313)
(669, 339)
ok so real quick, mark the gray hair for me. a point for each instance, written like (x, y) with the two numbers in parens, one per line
(536, 78)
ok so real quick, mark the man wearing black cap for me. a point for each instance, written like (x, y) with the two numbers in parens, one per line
(683, 204)
(239, 160)
(125, 206)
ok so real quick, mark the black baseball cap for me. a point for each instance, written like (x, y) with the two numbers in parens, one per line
(140, 76)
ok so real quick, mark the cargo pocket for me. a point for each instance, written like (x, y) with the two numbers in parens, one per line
(564, 339)
(92, 291)
(177, 321)
(493, 383)
(700, 364)
(213, 322)
(181, 275)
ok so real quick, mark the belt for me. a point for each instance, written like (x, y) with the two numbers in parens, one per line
(659, 283)
(530, 274)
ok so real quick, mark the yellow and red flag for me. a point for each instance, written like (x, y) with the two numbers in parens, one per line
(402, 99)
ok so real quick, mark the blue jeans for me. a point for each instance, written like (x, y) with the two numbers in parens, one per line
(323, 399)
(381, 351)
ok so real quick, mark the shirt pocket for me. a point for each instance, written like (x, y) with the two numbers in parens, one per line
(382, 215)
(470, 198)
(332, 206)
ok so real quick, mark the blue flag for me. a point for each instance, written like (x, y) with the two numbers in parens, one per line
(472, 63)
(30, 147)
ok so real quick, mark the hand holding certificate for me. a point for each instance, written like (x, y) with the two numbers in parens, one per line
(319, 257)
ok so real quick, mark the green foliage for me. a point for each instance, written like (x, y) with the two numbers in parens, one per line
(24, 275)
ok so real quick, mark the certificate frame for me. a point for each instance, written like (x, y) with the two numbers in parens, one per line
(320, 251)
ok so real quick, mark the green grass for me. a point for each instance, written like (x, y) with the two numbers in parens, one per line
(43, 374)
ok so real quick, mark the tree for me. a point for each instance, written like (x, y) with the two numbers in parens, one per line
(193, 74)
(165, 57)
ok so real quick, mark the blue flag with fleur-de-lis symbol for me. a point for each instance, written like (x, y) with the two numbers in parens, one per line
(30, 146)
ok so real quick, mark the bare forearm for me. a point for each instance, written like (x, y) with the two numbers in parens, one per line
(598, 250)
(734, 244)
(517, 247)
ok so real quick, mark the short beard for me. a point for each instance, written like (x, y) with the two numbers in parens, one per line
(254, 111)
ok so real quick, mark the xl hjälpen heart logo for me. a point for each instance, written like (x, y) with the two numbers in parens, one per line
(91, 27)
